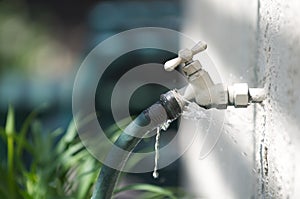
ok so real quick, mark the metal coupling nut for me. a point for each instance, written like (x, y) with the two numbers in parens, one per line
(238, 95)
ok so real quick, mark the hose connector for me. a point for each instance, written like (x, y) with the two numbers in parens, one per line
(172, 104)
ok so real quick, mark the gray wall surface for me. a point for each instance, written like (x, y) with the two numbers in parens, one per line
(257, 42)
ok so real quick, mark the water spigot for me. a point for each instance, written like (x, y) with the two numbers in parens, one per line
(204, 91)
(185, 56)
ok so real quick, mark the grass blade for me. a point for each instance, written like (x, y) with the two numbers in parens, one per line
(147, 187)
(9, 129)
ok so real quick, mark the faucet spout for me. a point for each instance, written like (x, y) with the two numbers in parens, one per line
(204, 91)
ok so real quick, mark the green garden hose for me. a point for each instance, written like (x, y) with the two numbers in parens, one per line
(167, 108)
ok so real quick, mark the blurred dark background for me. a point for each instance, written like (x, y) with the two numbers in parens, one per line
(42, 44)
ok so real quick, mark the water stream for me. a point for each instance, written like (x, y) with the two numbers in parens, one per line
(164, 127)
(191, 111)
(155, 173)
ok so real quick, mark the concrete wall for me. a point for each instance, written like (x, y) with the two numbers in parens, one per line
(256, 42)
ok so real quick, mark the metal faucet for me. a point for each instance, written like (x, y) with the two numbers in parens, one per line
(204, 91)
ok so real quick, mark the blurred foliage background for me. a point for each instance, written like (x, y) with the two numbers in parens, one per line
(41, 164)
(44, 165)
(42, 44)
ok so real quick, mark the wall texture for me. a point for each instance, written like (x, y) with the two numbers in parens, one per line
(277, 122)
(256, 42)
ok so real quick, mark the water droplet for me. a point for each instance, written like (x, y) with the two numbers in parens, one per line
(155, 174)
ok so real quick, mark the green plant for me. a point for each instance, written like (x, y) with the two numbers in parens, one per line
(154, 192)
(59, 166)
(55, 170)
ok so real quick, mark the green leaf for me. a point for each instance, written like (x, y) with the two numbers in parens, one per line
(23, 132)
(149, 195)
(86, 181)
(9, 129)
(10, 121)
(68, 137)
(147, 187)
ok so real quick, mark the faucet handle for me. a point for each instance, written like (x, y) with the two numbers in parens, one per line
(199, 47)
(184, 56)
(173, 63)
